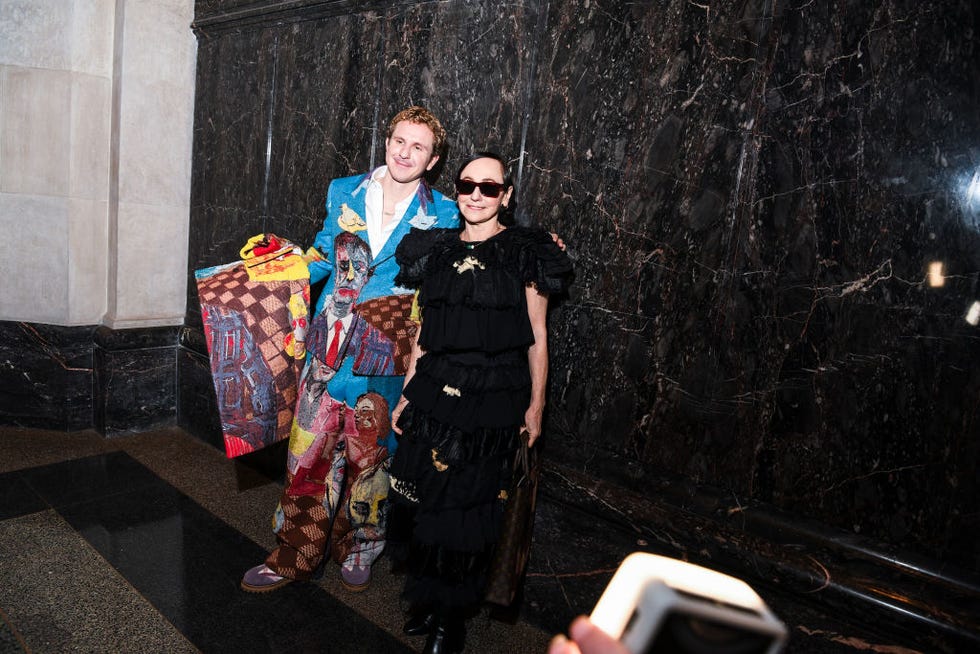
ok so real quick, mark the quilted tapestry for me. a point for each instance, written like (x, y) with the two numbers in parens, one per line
(255, 313)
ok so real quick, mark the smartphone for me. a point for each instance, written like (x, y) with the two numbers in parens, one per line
(658, 605)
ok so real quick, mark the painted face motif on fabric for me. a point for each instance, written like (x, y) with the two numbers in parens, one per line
(353, 260)
(372, 418)
(364, 413)
(369, 501)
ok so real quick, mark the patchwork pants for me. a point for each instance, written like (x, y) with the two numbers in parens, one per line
(336, 485)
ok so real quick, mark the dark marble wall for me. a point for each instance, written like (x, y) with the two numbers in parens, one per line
(753, 193)
(761, 195)
(46, 376)
(87, 377)
(134, 385)
(760, 241)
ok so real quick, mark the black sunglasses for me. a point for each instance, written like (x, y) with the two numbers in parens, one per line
(489, 189)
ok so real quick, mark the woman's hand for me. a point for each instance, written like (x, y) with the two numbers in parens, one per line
(532, 423)
(399, 407)
(402, 402)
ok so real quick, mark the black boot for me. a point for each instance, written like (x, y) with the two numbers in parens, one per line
(420, 624)
(447, 637)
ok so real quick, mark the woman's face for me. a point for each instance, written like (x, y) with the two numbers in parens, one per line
(475, 207)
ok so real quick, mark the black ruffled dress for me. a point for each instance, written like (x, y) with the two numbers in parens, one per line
(467, 401)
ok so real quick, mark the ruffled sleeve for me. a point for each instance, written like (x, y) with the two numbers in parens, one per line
(412, 255)
(543, 263)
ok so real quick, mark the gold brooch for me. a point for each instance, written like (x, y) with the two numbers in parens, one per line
(469, 263)
(449, 390)
(436, 463)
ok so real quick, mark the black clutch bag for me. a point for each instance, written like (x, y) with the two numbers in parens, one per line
(509, 562)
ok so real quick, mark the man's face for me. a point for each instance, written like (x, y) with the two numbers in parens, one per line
(350, 275)
(409, 152)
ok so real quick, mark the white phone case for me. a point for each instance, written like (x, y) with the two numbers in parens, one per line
(658, 604)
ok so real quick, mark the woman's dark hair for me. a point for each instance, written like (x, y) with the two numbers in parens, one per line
(506, 215)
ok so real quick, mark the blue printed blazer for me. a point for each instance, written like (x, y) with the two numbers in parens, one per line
(429, 209)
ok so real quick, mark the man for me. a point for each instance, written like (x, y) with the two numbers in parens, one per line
(348, 359)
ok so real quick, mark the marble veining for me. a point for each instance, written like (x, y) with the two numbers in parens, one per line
(45, 375)
(73, 378)
(773, 209)
(755, 263)
(134, 382)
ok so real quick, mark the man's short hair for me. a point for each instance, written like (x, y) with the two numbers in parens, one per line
(422, 116)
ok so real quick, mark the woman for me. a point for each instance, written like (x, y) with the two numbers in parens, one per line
(475, 382)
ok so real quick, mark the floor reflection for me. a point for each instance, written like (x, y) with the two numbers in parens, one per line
(186, 562)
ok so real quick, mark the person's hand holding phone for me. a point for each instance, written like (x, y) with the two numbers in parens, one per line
(586, 638)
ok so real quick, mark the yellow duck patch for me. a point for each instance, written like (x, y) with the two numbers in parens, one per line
(349, 221)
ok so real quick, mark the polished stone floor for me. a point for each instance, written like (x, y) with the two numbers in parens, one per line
(137, 544)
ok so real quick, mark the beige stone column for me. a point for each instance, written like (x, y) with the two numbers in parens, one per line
(96, 118)
(150, 164)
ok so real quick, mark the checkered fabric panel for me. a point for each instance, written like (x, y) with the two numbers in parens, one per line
(265, 308)
(390, 314)
(302, 538)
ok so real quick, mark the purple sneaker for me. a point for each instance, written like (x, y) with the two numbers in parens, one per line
(261, 579)
(355, 578)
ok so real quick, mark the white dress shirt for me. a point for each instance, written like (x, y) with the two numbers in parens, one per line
(374, 208)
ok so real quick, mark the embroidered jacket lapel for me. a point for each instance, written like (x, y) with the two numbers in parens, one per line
(355, 200)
